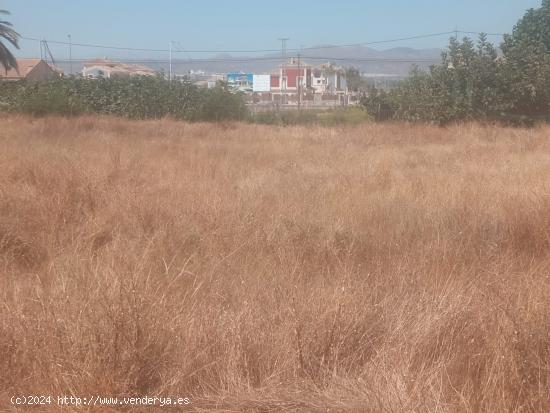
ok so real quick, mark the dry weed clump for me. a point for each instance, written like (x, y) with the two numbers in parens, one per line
(376, 268)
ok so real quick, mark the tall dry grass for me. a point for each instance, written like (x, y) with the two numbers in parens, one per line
(380, 268)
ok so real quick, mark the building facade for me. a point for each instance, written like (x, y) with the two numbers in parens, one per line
(295, 83)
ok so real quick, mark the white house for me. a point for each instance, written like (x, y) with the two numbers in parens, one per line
(327, 78)
(103, 68)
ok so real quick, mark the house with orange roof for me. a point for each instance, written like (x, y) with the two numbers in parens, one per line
(30, 69)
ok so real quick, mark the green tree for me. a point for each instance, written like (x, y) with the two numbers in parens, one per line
(467, 84)
(464, 86)
(526, 72)
(378, 105)
(356, 82)
(474, 82)
(7, 60)
(220, 104)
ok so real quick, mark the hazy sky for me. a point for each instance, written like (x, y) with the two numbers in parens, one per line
(244, 24)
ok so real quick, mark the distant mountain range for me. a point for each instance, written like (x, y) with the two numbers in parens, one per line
(395, 61)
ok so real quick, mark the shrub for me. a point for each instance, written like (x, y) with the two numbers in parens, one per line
(49, 98)
(219, 104)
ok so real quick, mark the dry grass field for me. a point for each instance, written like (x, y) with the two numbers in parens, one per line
(377, 268)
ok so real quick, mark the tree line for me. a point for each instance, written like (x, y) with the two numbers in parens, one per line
(477, 81)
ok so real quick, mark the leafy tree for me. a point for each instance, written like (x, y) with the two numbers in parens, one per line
(7, 60)
(527, 63)
(379, 104)
(466, 84)
(474, 82)
(220, 104)
(356, 82)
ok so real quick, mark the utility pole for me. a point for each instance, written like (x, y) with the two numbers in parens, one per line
(47, 52)
(70, 55)
(283, 55)
(170, 72)
(283, 46)
(300, 78)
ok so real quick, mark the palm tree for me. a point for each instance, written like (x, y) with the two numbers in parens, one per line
(6, 32)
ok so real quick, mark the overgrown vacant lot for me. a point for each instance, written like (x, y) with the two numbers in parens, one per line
(381, 268)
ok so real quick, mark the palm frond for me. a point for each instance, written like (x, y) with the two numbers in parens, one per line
(10, 35)
(7, 60)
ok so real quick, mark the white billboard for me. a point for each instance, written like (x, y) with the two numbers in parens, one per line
(261, 83)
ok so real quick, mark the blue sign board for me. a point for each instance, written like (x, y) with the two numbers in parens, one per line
(241, 81)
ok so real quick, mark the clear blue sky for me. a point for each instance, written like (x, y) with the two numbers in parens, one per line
(244, 24)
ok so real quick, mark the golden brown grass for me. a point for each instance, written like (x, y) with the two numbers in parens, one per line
(380, 268)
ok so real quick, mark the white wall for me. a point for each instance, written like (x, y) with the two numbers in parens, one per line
(261, 83)
(96, 72)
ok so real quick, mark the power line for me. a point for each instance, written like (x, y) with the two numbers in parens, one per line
(423, 36)
(98, 46)
(268, 59)
(478, 33)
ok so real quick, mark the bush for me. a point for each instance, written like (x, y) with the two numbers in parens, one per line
(219, 104)
(49, 98)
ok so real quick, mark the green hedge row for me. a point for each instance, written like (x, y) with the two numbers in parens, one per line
(136, 98)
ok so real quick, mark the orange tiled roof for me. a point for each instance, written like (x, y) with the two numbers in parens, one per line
(25, 66)
(119, 67)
